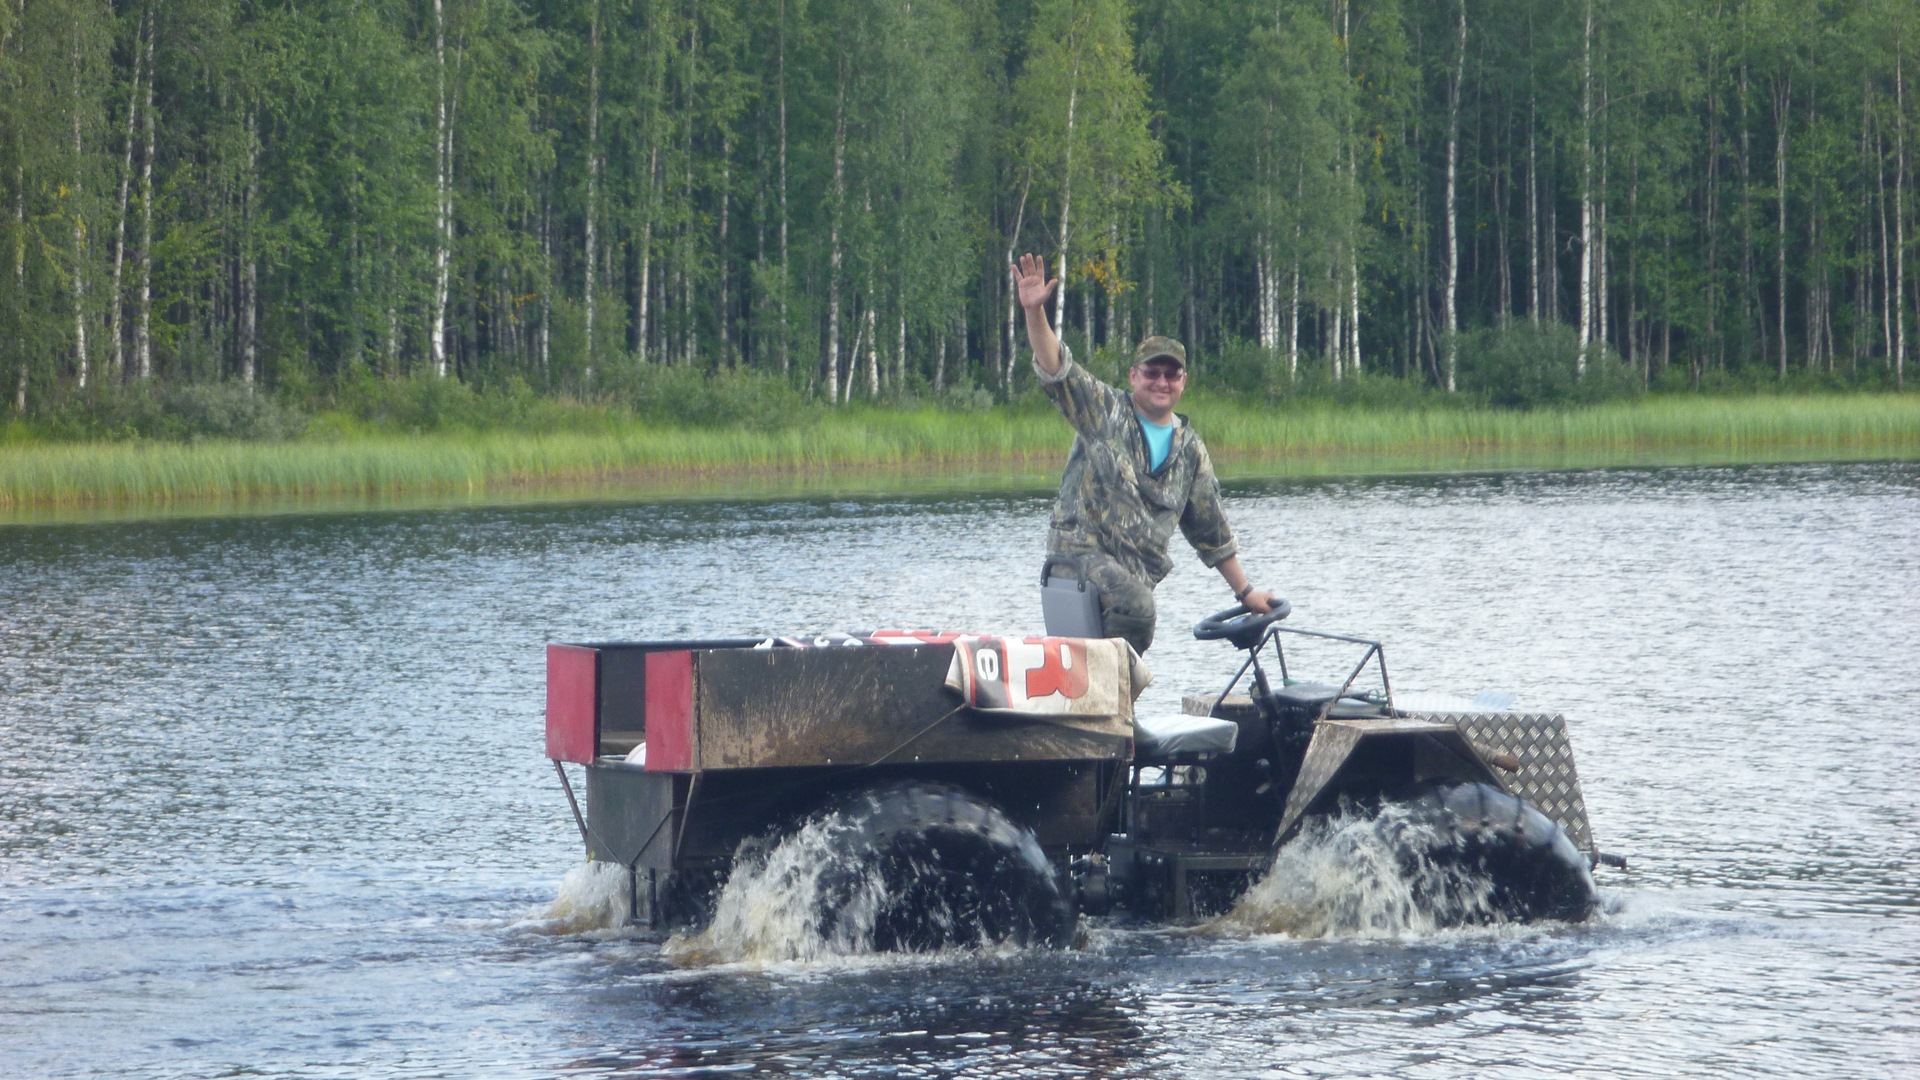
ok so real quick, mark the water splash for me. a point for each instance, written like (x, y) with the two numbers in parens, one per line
(592, 898)
(1356, 875)
(915, 868)
(768, 911)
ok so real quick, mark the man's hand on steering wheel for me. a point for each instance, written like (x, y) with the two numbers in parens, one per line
(1258, 601)
(1241, 624)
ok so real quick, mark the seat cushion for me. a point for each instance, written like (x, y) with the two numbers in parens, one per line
(1169, 736)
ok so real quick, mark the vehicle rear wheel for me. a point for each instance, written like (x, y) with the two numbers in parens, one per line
(924, 866)
(1530, 867)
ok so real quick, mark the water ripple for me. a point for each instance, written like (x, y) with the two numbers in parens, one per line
(273, 801)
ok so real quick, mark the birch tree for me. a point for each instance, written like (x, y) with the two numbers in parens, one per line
(1286, 156)
(1081, 134)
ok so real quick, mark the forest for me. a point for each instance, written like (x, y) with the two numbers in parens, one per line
(564, 197)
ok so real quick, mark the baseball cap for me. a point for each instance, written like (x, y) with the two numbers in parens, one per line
(1159, 348)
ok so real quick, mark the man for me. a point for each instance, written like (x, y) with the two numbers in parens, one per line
(1136, 471)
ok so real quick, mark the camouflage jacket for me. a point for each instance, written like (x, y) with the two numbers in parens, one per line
(1111, 502)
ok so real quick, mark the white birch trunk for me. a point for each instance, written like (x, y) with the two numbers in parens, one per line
(940, 364)
(1353, 296)
(1353, 185)
(1453, 212)
(1899, 304)
(1013, 298)
(644, 312)
(1552, 261)
(650, 199)
(785, 353)
(1263, 272)
(1600, 238)
(20, 270)
(835, 256)
(593, 188)
(116, 330)
(722, 316)
(873, 348)
(1336, 335)
(392, 352)
(1293, 326)
(443, 194)
(853, 360)
(143, 308)
(1782, 104)
(1066, 204)
(1586, 193)
(249, 264)
(690, 338)
(1113, 298)
(79, 232)
(1600, 323)
(1863, 280)
(1533, 217)
(546, 289)
(1818, 343)
(1886, 254)
(1634, 338)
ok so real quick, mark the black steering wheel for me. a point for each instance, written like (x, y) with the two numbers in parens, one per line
(1242, 627)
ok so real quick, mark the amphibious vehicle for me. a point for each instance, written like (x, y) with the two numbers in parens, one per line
(975, 789)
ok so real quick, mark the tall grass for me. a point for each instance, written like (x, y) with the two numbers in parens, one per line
(1860, 421)
(33, 474)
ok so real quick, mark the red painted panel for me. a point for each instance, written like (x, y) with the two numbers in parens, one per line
(669, 711)
(573, 680)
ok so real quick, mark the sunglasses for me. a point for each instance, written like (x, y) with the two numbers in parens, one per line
(1161, 374)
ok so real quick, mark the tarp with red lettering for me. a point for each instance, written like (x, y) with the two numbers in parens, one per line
(1054, 677)
(1088, 682)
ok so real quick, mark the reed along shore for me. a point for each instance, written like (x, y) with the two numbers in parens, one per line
(931, 441)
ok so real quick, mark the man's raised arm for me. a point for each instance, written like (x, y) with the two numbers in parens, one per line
(1030, 280)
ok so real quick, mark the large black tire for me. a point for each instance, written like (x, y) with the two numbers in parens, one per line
(925, 866)
(1534, 869)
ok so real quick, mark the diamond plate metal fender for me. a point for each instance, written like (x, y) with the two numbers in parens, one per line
(1334, 742)
(1325, 754)
(1547, 777)
(1537, 741)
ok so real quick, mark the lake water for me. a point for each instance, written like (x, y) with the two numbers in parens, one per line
(273, 802)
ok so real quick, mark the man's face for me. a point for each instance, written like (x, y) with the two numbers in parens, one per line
(1157, 385)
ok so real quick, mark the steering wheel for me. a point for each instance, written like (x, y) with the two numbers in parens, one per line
(1242, 627)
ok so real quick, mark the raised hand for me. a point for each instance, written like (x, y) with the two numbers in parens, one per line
(1030, 278)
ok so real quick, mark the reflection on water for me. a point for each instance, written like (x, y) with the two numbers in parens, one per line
(273, 799)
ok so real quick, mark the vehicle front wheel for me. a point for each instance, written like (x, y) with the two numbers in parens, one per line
(1515, 863)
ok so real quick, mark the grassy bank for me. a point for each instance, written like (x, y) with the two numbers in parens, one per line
(933, 440)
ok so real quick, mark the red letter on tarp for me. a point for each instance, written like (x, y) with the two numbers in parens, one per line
(1062, 670)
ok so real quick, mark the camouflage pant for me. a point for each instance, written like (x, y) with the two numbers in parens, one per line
(1126, 601)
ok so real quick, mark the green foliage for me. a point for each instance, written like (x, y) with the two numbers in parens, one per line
(223, 410)
(1244, 372)
(1527, 365)
(1240, 367)
(963, 394)
(689, 397)
(344, 190)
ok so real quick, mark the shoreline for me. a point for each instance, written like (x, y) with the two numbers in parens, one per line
(926, 451)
